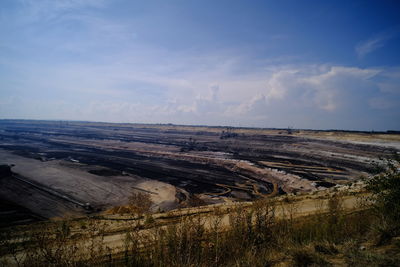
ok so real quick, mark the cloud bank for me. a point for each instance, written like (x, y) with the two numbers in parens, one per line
(303, 96)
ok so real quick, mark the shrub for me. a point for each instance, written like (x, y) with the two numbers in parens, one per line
(302, 257)
(140, 203)
(385, 189)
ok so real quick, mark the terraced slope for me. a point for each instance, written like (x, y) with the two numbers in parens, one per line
(99, 164)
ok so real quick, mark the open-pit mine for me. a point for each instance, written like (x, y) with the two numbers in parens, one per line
(53, 169)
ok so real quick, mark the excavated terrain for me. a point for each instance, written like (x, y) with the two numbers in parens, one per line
(63, 169)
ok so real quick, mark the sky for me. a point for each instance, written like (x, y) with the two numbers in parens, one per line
(300, 64)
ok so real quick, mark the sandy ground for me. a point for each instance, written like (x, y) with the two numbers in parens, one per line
(380, 140)
(288, 182)
(163, 194)
(74, 181)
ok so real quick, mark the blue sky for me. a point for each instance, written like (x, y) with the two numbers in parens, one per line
(303, 64)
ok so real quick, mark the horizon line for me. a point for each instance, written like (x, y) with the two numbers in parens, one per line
(388, 131)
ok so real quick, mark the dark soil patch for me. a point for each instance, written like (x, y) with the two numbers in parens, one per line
(13, 214)
(105, 172)
(325, 184)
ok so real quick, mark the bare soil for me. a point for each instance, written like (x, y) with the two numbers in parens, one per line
(74, 168)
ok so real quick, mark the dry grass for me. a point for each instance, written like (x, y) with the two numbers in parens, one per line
(253, 237)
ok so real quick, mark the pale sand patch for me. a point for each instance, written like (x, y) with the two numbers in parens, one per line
(73, 180)
(163, 195)
(288, 182)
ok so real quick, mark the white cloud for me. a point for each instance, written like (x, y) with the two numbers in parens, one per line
(390, 82)
(374, 43)
(274, 95)
(47, 10)
(329, 88)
